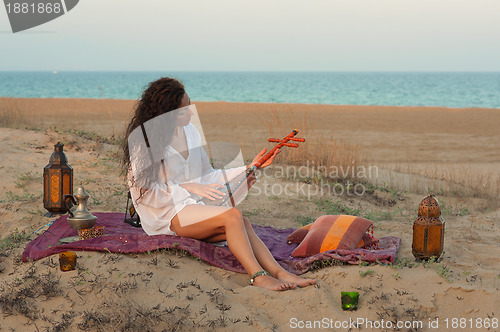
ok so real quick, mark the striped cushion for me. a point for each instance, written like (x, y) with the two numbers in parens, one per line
(332, 232)
(367, 241)
(299, 234)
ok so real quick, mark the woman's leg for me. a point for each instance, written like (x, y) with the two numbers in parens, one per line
(209, 222)
(266, 259)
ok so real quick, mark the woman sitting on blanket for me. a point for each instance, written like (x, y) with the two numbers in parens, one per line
(168, 174)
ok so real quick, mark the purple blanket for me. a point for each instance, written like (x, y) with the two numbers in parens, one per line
(122, 238)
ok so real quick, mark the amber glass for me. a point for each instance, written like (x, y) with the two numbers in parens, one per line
(67, 260)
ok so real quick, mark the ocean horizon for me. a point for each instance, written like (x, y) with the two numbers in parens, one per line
(446, 89)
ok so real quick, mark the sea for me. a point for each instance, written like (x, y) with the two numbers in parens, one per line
(448, 89)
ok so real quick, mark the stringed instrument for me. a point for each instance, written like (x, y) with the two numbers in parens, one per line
(233, 187)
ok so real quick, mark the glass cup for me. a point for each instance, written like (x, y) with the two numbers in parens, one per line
(349, 300)
(67, 260)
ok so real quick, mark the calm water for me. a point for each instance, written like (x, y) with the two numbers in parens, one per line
(466, 89)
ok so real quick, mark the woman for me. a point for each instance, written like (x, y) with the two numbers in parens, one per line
(168, 173)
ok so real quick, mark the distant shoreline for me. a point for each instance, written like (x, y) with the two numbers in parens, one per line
(252, 102)
(432, 89)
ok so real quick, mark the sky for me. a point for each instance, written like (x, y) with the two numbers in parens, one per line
(260, 35)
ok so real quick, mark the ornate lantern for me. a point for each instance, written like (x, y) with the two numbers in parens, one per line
(428, 230)
(57, 181)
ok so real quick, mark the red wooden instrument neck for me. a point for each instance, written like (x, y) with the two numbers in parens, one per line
(279, 145)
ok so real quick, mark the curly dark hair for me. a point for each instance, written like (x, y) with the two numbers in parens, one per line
(161, 96)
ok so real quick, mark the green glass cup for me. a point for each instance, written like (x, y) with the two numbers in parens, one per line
(349, 300)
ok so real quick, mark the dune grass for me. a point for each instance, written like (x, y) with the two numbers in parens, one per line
(12, 116)
(445, 179)
(325, 153)
(13, 240)
(327, 157)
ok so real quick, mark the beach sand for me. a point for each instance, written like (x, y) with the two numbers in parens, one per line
(454, 152)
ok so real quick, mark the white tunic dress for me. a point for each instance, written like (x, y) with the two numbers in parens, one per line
(158, 206)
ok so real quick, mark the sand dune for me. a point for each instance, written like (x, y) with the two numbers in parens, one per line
(169, 290)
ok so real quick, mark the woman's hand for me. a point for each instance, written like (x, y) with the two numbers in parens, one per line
(260, 155)
(204, 190)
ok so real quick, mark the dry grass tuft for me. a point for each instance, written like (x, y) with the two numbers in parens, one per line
(446, 179)
(328, 156)
(12, 116)
(110, 114)
(22, 295)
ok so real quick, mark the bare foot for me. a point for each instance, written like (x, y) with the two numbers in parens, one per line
(271, 283)
(292, 278)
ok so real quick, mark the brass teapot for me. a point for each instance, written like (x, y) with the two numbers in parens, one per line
(79, 216)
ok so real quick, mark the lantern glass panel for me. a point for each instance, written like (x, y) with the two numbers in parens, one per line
(55, 179)
(67, 185)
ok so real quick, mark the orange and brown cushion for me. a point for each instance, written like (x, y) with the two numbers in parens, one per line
(299, 234)
(332, 232)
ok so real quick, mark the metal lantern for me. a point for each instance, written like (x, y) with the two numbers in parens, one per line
(57, 181)
(428, 230)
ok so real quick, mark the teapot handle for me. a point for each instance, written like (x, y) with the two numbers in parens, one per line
(69, 201)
